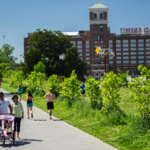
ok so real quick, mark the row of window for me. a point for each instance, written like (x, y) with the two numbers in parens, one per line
(96, 16)
(80, 42)
(131, 45)
(132, 49)
(132, 57)
(132, 62)
(124, 67)
(80, 46)
(131, 41)
(96, 37)
(132, 53)
(95, 26)
(95, 30)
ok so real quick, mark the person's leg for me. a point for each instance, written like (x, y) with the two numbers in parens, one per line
(31, 112)
(20, 96)
(50, 113)
(27, 112)
(18, 126)
(15, 128)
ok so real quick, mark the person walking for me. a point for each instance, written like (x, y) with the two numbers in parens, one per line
(4, 104)
(83, 90)
(17, 110)
(20, 91)
(29, 99)
(50, 98)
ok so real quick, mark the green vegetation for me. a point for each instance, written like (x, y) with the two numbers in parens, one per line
(118, 115)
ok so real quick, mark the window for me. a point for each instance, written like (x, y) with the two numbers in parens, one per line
(147, 40)
(79, 42)
(147, 61)
(133, 57)
(132, 49)
(116, 57)
(147, 49)
(101, 36)
(118, 62)
(118, 50)
(79, 51)
(147, 57)
(96, 58)
(79, 46)
(133, 67)
(87, 50)
(126, 67)
(147, 53)
(87, 46)
(141, 53)
(110, 58)
(141, 49)
(125, 45)
(118, 45)
(101, 25)
(141, 61)
(118, 54)
(101, 30)
(132, 41)
(80, 55)
(73, 42)
(118, 41)
(95, 30)
(87, 42)
(110, 45)
(140, 45)
(87, 54)
(133, 62)
(96, 42)
(110, 62)
(96, 68)
(125, 41)
(95, 25)
(125, 62)
(126, 53)
(110, 41)
(140, 41)
(101, 16)
(125, 57)
(110, 67)
(102, 67)
(132, 45)
(133, 53)
(95, 37)
(125, 49)
(118, 67)
(101, 42)
(88, 62)
(87, 58)
(147, 45)
(141, 57)
(95, 16)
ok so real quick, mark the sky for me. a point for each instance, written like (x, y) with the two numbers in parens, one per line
(20, 17)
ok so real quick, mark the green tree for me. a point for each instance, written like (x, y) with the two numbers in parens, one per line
(93, 91)
(71, 89)
(50, 44)
(40, 67)
(123, 76)
(110, 91)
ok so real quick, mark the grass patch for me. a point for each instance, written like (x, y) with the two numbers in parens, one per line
(124, 136)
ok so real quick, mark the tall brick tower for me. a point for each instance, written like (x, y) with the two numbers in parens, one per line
(98, 28)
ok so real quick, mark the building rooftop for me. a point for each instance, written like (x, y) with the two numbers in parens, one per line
(98, 5)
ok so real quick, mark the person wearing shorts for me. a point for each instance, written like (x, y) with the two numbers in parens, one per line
(20, 91)
(83, 91)
(50, 98)
(29, 99)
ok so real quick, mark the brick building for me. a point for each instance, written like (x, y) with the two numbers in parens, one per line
(131, 47)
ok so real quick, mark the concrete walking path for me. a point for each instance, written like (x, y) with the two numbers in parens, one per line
(40, 133)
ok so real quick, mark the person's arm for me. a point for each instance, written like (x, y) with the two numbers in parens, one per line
(45, 96)
(10, 108)
(33, 98)
(26, 97)
(54, 97)
(22, 110)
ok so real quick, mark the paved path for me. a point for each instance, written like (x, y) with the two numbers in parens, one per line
(41, 133)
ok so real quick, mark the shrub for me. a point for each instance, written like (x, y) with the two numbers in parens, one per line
(93, 90)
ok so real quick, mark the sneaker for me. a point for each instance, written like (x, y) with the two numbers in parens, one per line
(50, 118)
(31, 115)
(28, 117)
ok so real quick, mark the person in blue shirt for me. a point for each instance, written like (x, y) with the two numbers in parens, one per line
(20, 91)
(83, 91)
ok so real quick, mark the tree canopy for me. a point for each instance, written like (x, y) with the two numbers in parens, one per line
(50, 44)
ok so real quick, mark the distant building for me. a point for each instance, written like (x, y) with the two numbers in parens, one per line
(131, 47)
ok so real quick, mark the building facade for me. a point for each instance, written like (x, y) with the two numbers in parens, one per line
(131, 47)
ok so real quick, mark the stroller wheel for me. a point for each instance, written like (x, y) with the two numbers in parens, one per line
(4, 141)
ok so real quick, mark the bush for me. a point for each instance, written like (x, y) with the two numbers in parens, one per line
(39, 93)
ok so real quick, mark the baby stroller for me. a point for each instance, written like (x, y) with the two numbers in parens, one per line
(4, 134)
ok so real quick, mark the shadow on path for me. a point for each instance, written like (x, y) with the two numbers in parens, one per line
(38, 119)
(57, 119)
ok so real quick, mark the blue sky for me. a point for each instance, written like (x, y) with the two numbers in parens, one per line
(20, 17)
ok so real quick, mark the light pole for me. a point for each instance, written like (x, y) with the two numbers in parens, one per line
(62, 57)
(104, 52)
